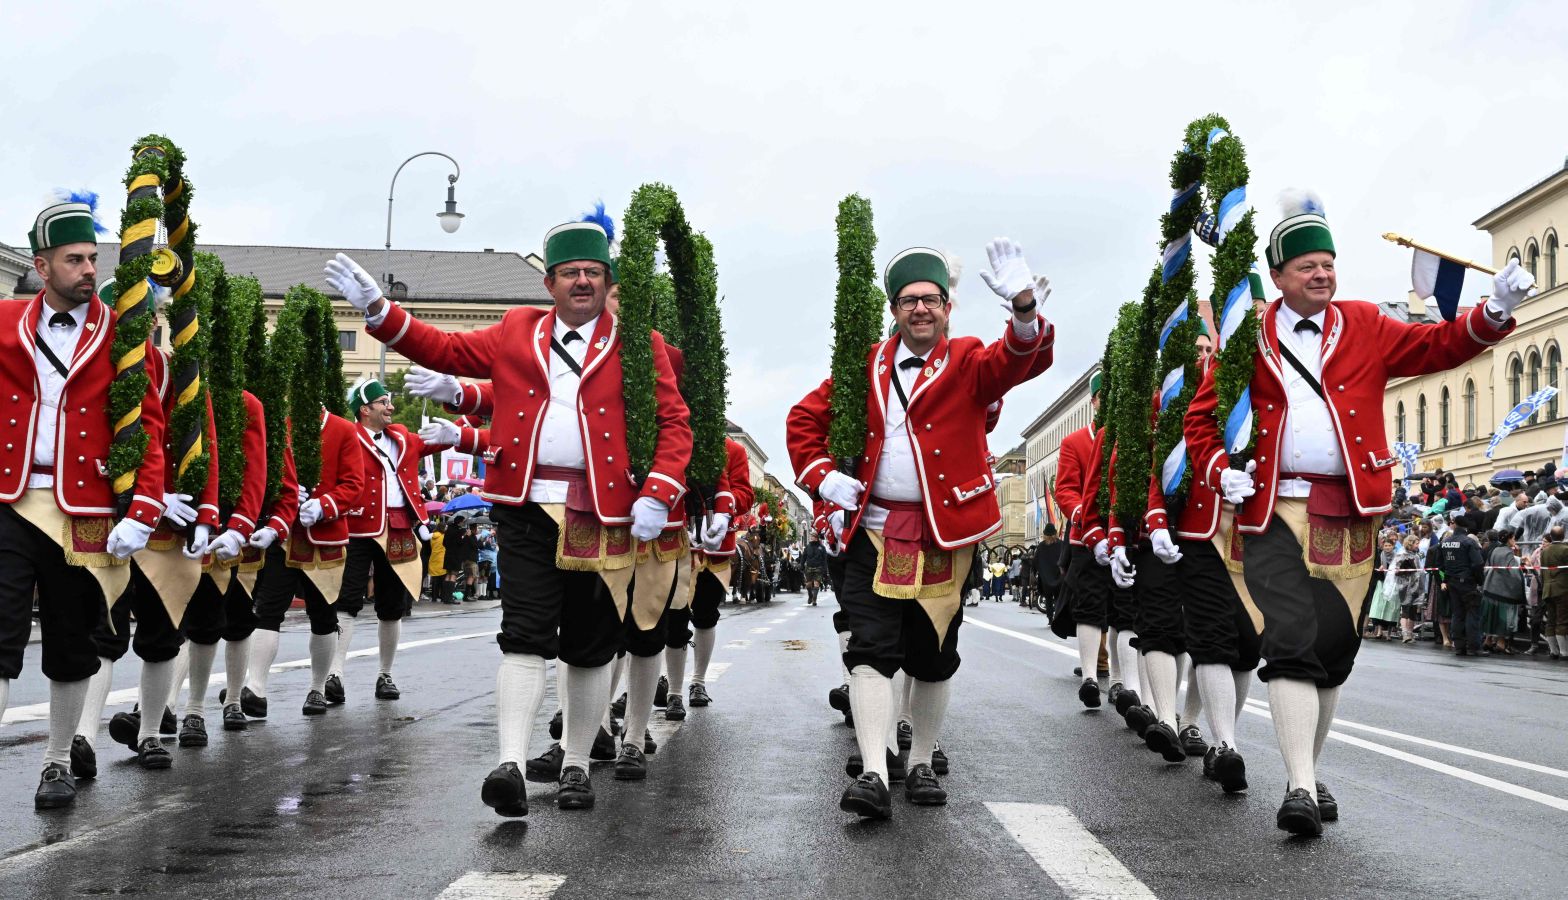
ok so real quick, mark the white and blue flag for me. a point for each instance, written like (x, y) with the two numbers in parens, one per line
(1519, 415)
(1433, 276)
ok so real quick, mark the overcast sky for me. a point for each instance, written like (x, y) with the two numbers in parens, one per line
(960, 122)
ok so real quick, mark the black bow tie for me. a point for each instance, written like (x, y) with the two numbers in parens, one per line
(1307, 325)
(62, 320)
(567, 338)
(914, 362)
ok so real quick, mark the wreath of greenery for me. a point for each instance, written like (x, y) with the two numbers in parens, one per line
(857, 328)
(1131, 420)
(1181, 347)
(231, 323)
(666, 317)
(134, 318)
(1121, 347)
(305, 344)
(266, 376)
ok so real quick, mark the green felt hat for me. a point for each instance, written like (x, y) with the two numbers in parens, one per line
(366, 393)
(576, 241)
(60, 224)
(1096, 382)
(1303, 229)
(108, 292)
(912, 265)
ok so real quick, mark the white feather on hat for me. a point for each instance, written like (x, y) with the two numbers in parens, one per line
(1300, 201)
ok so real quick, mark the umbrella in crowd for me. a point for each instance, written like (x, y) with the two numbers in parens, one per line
(433, 506)
(466, 501)
(1503, 476)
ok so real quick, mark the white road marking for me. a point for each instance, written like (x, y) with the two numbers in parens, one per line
(738, 644)
(503, 886)
(1026, 638)
(760, 630)
(1079, 864)
(35, 712)
(86, 838)
(779, 621)
(793, 612)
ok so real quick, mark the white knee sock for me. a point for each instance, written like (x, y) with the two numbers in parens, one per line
(871, 702)
(65, 711)
(617, 669)
(1328, 699)
(1088, 650)
(387, 636)
(1294, 704)
(322, 649)
(1214, 682)
(519, 690)
(1162, 685)
(236, 657)
(263, 652)
(97, 696)
(1192, 700)
(843, 648)
(156, 677)
(5, 695)
(675, 667)
(704, 642)
(642, 679)
(1243, 682)
(905, 713)
(928, 703)
(345, 637)
(1129, 661)
(202, 657)
(1113, 660)
(587, 688)
(182, 667)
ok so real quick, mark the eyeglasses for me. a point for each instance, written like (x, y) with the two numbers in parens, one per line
(593, 273)
(929, 301)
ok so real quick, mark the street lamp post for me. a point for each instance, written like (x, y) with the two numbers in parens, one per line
(450, 220)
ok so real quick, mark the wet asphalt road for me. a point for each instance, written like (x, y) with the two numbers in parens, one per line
(1461, 791)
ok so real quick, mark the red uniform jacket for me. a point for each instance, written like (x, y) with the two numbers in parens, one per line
(1362, 350)
(341, 489)
(369, 520)
(1078, 471)
(735, 494)
(285, 509)
(207, 503)
(82, 441)
(946, 424)
(515, 353)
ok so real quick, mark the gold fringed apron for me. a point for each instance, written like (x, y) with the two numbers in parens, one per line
(174, 577)
(911, 567)
(83, 539)
(247, 567)
(659, 563)
(719, 566)
(397, 541)
(322, 564)
(585, 544)
(686, 580)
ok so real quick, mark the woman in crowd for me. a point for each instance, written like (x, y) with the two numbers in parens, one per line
(1502, 593)
(1408, 583)
(1384, 608)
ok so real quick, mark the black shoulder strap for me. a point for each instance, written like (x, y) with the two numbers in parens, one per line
(1317, 387)
(60, 367)
(566, 357)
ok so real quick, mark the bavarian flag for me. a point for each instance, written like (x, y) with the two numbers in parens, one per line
(1433, 276)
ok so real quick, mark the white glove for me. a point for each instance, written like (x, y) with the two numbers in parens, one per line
(1011, 271)
(833, 545)
(354, 283)
(310, 512)
(177, 509)
(1122, 571)
(422, 531)
(1509, 288)
(440, 433)
(442, 388)
(227, 545)
(840, 490)
(128, 537)
(201, 539)
(1164, 547)
(649, 517)
(1102, 552)
(1042, 289)
(262, 538)
(713, 535)
(1236, 485)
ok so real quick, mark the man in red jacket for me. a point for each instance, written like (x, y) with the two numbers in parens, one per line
(1319, 474)
(932, 498)
(558, 464)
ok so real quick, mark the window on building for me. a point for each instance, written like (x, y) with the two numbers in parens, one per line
(157, 336)
(348, 340)
(1554, 364)
(1469, 410)
(1399, 421)
(1421, 420)
(1551, 260)
(1535, 381)
(1532, 259)
(1513, 253)
(1442, 418)
(1515, 381)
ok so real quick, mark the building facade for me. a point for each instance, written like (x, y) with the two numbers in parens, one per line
(1012, 495)
(1043, 439)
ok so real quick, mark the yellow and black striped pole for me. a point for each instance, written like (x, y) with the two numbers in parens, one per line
(188, 341)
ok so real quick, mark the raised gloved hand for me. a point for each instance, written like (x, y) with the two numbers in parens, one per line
(178, 510)
(1236, 485)
(128, 537)
(840, 490)
(310, 512)
(422, 531)
(1009, 275)
(227, 545)
(649, 517)
(437, 386)
(262, 538)
(353, 282)
(440, 433)
(1509, 288)
(1102, 552)
(1164, 548)
(201, 539)
(1122, 571)
(713, 535)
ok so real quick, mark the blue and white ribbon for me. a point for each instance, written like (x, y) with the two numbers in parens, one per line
(1174, 379)
(1407, 453)
(1175, 256)
(1238, 427)
(1234, 311)
(1177, 316)
(1183, 195)
(1215, 135)
(1232, 208)
(1174, 468)
(1519, 415)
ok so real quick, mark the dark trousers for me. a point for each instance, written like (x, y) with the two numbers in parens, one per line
(1308, 633)
(1465, 607)
(1218, 629)
(1091, 587)
(1158, 619)
(652, 641)
(70, 603)
(276, 587)
(213, 614)
(703, 612)
(365, 557)
(887, 634)
(156, 637)
(546, 611)
(835, 570)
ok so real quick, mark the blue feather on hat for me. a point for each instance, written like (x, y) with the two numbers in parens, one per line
(602, 219)
(82, 195)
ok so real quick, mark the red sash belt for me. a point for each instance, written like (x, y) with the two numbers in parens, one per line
(1330, 495)
(577, 496)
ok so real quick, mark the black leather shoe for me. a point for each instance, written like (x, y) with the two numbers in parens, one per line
(124, 727)
(386, 688)
(922, 789)
(854, 765)
(315, 704)
(1328, 807)
(504, 792)
(168, 724)
(1117, 695)
(661, 694)
(334, 692)
(234, 718)
(849, 719)
(151, 755)
(697, 695)
(649, 745)
(84, 761)
(906, 735)
(618, 708)
(193, 731)
(868, 798)
(1299, 814)
(631, 765)
(546, 767)
(1230, 770)
(555, 727)
(838, 698)
(56, 789)
(1161, 738)
(1078, 671)
(252, 704)
(603, 749)
(576, 791)
(938, 760)
(1139, 718)
(1192, 742)
(675, 710)
(1089, 693)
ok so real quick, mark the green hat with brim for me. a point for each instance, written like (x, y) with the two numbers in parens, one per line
(366, 393)
(61, 224)
(915, 264)
(1096, 382)
(1303, 230)
(576, 241)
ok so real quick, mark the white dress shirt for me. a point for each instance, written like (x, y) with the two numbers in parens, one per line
(62, 340)
(1309, 443)
(898, 478)
(389, 457)
(560, 436)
